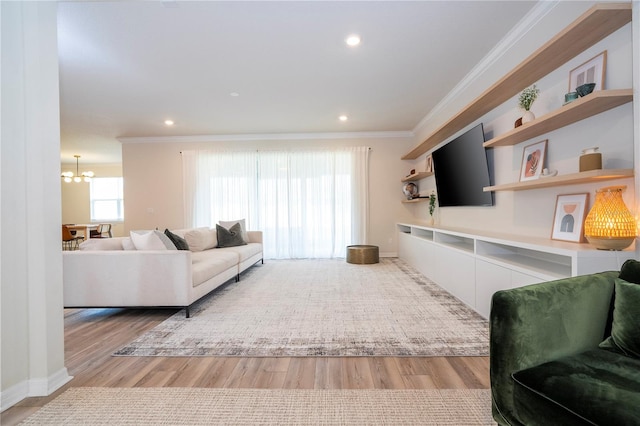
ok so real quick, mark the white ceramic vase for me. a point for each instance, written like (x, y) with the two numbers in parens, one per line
(528, 117)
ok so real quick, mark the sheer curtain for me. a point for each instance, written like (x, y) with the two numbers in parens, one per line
(309, 204)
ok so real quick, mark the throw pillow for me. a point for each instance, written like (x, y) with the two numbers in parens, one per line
(151, 240)
(625, 331)
(231, 237)
(179, 242)
(227, 224)
(127, 244)
(630, 271)
(200, 239)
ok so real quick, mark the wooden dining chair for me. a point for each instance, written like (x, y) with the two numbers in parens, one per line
(69, 242)
(103, 231)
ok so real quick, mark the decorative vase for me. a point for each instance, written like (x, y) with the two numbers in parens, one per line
(432, 220)
(528, 117)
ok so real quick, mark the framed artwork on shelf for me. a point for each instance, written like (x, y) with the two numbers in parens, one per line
(592, 71)
(429, 166)
(533, 157)
(568, 219)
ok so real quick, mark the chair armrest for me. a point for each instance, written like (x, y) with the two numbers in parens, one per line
(538, 323)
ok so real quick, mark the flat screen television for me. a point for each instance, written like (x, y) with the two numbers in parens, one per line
(462, 169)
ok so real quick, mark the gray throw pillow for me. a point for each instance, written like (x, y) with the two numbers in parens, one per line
(179, 242)
(231, 237)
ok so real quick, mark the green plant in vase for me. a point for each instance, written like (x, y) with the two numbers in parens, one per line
(432, 205)
(525, 100)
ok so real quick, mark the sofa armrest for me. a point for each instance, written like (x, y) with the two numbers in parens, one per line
(255, 236)
(538, 323)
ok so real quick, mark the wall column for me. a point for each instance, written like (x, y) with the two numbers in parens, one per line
(32, 339)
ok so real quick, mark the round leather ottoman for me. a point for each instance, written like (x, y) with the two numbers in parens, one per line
(362, 254)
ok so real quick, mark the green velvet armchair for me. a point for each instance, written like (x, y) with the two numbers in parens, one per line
(548, 362)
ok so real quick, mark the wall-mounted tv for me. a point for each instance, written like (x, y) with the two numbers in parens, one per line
(462, 169)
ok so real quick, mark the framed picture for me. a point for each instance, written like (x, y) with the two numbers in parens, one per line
(568, 219)
(533, 158)
(591, 71)
(429, 166)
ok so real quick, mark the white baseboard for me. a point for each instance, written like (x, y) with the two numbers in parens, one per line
(44, 387)
(13, 395)
(389, 254)
(34, 387)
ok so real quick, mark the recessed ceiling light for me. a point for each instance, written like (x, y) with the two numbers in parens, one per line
(353, 40)
(343, 118)
(168, 122)
(234, 94)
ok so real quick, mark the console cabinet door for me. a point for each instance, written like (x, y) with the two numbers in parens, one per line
(455, 272)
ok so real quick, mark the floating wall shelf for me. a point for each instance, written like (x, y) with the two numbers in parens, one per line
(594, 25)
(569, 179)
(416, 176)
(592, 104)
(416, 200)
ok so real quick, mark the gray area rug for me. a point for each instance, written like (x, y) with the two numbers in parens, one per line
(322, 308)
(193, 406)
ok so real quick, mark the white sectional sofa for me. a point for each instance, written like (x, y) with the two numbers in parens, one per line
(112, 272)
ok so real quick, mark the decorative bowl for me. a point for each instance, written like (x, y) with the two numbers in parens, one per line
(585, 89)
(570, 97)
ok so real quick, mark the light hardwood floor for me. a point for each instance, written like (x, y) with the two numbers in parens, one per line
(92, 335)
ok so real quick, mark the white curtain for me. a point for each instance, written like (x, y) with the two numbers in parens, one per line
(309, 204)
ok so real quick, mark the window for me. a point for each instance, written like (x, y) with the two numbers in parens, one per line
(309, 204)
(107, 202)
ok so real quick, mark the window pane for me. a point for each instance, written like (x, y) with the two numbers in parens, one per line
(105, 210)
(106, 199)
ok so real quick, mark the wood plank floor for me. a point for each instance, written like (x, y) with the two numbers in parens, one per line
(92, 335)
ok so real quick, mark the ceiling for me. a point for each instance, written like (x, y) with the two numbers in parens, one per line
(126, 67)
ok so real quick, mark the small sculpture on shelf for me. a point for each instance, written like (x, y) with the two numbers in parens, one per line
(525, 100)
(410, 189)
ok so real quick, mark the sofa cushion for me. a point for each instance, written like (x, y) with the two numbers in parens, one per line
(179, 242)
(625, 330)
(231, 237)
(102, 244)
(227, 224)
(209, 263)
(151, 240)
(593, 387)
(200, 239)
(244, 251)
(630, 271)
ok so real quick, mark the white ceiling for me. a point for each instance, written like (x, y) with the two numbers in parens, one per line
(125, 67)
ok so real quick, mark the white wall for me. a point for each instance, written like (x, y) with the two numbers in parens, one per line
(76, 201)
(32, 339)
(153, 181)
(531, 212)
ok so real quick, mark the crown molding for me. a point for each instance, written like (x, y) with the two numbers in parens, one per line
(267, 137)
(522, 28)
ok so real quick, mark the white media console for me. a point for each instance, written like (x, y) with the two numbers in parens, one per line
(473, 266)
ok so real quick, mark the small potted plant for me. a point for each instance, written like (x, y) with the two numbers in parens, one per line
(432, 205)
(526, 99)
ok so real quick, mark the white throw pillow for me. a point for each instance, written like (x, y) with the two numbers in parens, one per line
(200, 239)
(127, 244)
(151, 240)
(229, 223)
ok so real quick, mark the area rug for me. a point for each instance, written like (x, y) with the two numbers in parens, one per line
(206, 406)
(322, 308)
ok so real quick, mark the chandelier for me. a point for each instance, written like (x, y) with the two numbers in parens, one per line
(85, 176)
